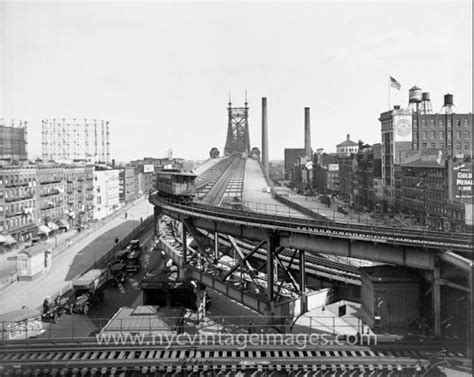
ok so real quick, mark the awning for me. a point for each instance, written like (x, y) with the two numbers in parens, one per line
(52, 226)
(43, 229)
(9, 240)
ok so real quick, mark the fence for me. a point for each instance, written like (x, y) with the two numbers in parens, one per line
(69, 328)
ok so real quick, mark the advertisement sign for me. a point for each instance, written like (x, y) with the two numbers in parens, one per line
(463, 181)
(426, 155)
(148, 168)
(402, 128)
(333, 167)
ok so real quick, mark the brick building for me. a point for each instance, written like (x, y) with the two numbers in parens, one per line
(435, 189)
(127, 184)
(369, 167)
(446, 130)
(326, 173)
(291, 159)
(18, 202)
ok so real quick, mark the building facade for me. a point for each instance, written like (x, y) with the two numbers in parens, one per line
(18, 202)
(396, 128)
(51, 190)
(106, 192)
(369, 168)
(435, 189)
(291, 158)
(326, 173)
(127, 184)
(450, 132)
(79, 194)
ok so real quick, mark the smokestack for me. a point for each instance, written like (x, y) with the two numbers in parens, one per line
(307, 133)
(264, 136)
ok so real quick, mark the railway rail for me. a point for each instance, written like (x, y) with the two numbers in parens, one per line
(443, 241)
(267, 356)
(215, 195)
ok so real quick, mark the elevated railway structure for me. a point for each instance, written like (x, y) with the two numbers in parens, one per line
(266, 355)
(229, 183)
(436, 254)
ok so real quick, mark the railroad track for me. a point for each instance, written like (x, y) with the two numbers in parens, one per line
(264, 357)
(429, 239)
(215, 195)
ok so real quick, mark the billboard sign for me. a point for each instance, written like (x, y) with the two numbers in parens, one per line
(333, 167)
(463, 181)
(148, 168)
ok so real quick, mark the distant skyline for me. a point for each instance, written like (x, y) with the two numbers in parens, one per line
(161, 73)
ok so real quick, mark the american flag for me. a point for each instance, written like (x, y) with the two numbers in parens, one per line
(394, 83)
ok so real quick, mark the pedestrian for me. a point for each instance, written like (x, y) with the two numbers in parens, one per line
(251, 328)
(126, 215)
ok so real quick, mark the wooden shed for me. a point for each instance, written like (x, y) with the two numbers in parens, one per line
(391, 296)
(33, 261)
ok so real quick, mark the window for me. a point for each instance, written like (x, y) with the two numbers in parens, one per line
(425, 145)
(466, 124)
(449, 145)
(441, 135)
(432, 134)
(466, 146)
(424, 134)
(441, 145)
(459, 122)
(433, 145)
(441, 123)
(466, 134)
(458, 134)
(458, 146)
(423, 123)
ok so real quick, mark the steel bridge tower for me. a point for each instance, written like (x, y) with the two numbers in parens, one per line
(238, 139)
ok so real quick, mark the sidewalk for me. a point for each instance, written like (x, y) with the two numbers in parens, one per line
(32, 293)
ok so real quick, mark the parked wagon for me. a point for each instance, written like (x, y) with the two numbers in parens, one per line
(89, 290)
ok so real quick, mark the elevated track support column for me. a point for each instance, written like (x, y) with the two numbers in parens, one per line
(156, 222)
(273, 243)
(436, 301)
(184, 242)
(304, 304)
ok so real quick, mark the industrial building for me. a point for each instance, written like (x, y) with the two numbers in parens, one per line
(13, 141)
(68, 140)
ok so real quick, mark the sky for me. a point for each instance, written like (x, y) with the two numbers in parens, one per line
(161, 73)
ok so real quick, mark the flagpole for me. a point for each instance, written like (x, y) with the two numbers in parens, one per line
(389, 84)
